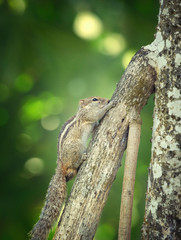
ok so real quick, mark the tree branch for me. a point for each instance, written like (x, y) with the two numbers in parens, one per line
(95, 177)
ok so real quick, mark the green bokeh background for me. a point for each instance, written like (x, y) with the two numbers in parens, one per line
(45, 68)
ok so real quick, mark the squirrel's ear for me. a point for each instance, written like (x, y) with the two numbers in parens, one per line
(81, 102)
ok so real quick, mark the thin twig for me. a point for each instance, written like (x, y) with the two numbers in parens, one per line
(129, 179)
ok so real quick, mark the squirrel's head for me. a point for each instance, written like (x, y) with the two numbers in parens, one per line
(93, 102)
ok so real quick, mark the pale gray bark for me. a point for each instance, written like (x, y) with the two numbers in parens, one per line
(163, 201)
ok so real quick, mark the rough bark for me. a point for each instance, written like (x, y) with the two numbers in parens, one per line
(163, 201)
(95, 177)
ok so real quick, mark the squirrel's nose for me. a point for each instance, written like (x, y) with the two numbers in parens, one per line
(108, 101)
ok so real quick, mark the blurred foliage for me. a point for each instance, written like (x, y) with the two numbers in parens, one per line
(54, 53)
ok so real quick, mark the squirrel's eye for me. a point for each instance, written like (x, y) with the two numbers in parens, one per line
(94, 99)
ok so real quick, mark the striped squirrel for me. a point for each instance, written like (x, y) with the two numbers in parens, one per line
(71, 153)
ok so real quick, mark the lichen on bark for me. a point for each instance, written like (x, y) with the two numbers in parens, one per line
(163, 206)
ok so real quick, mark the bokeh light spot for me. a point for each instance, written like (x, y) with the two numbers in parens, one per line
(53, 105)
(18, 6)
(127, 57)
(24, 83)
(4, 116)
(87, 25)
(50, 123)
(36, 108)
(33, 109)
(113, 44)
(24, 142)
(34, 166)
(4, 92)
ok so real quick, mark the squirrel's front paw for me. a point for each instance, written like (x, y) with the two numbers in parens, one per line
(114, 102)
(84, 157)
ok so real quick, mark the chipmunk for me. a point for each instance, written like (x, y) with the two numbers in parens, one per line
(71, 153)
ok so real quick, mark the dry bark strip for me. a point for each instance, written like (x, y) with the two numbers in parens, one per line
(91, 188)
(129, 178)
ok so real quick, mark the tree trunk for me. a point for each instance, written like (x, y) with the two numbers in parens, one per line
(158, 61)
(163, 201)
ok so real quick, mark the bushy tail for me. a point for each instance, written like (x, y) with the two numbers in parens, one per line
(53, 202)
